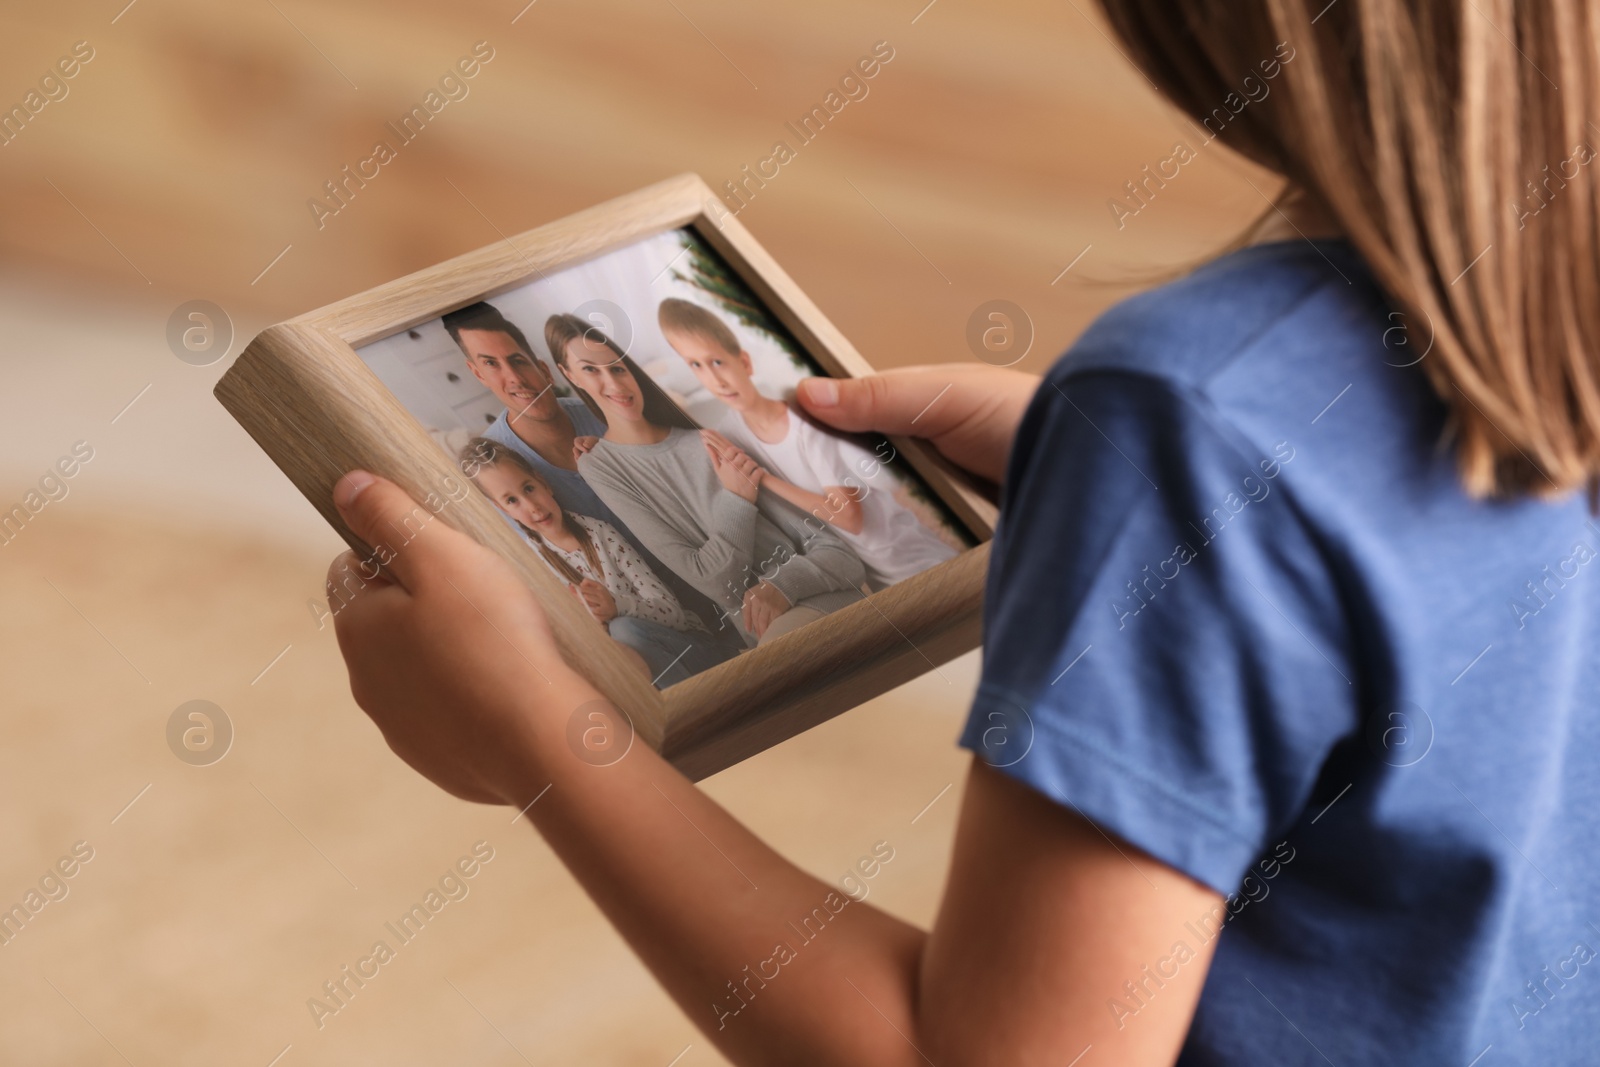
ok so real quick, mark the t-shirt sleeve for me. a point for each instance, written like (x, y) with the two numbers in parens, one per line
(1165, 649)
(834, 460)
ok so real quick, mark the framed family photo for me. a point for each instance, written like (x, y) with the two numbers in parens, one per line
(608, 402)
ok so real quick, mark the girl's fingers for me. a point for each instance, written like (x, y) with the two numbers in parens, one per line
(898, 401)
(406, 540)
(348, 571)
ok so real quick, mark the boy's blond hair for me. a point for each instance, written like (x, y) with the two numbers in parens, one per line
(687, 317)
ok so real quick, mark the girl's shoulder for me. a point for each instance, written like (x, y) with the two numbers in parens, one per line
(1270, 299)
(598, 529)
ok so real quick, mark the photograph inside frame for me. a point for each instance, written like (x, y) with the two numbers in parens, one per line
(632, 417)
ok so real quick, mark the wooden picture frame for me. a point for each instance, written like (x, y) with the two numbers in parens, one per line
(306, 397)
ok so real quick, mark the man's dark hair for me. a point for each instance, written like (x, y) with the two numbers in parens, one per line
(483, 316)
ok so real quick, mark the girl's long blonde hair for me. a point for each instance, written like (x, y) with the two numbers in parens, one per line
(1454, 143)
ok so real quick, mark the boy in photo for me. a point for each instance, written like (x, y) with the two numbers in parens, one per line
(819, 471)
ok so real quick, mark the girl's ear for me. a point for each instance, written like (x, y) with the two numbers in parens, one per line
(749, 367)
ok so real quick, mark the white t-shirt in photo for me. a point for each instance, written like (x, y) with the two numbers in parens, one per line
(893, 543)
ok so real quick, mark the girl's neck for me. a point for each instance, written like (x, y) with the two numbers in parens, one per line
(638, 432)
(1297, 215)
(563, 538)
(768, 419)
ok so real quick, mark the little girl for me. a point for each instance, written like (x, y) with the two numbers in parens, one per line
(598, 565)
(1284, 743)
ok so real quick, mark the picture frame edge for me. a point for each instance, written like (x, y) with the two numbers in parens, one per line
(661, 717)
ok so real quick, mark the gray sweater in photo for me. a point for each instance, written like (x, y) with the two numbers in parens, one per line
(669, 497)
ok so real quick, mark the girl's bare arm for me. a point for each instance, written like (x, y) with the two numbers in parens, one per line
(1045, 921)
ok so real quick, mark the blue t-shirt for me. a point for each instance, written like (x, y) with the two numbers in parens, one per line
(1242, 615)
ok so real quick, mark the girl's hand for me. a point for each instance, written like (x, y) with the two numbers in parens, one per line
(581, 444)
(602, 605)
(763, 602)
(451, 656)
(448, 651)
(968, 411)
(738, 473)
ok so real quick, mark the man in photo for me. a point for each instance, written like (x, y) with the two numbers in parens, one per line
(537, 424)
(817, 470)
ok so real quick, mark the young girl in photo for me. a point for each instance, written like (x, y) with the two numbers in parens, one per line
(1283, 749)
(597, 564)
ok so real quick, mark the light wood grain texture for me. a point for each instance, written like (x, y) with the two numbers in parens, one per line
(305, 396)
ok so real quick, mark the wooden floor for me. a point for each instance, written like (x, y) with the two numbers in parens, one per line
(981, 165)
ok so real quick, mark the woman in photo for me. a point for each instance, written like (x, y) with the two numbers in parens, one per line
(696, 503)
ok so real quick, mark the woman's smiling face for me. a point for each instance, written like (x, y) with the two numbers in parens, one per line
(600, 372)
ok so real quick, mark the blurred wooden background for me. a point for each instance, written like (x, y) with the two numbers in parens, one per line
(979, 167)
